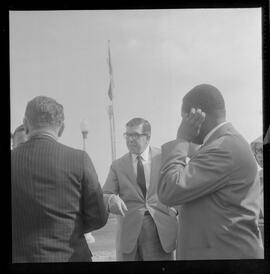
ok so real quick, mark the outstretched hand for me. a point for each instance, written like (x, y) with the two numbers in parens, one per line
(191, 125)
(118, 206)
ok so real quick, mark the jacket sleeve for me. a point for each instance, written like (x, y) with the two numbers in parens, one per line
(111, 186)
(94, 213)
(206, 172)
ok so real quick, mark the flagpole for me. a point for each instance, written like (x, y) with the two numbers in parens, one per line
(113, 134)
(110, 108)
(112, 131)
(84, 130)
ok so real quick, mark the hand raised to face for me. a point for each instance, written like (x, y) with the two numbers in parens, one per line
(190, 125)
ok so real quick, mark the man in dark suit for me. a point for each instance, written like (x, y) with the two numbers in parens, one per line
(216, 189)
(56, 195)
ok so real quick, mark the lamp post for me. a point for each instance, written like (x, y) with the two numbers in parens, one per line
(84, 130)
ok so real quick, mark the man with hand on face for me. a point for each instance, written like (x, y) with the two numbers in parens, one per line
(216, 189)
(146, 228)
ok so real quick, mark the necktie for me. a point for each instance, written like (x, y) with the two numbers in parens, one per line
(140, 175)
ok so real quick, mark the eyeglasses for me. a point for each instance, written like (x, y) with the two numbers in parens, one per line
(135, 136)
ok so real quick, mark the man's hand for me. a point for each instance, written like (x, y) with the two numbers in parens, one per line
(191, 125)
(117, 206)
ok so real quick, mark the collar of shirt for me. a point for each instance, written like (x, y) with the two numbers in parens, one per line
(43, 134)
(144, 155)
(210, 133)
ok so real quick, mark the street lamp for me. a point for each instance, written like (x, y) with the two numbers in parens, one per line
(84, 130)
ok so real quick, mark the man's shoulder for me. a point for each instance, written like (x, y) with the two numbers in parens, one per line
(232, 145)
(155, 150)
(226, 137)
(70, 150)
(121, 159)
(232, 140)
(62, 150)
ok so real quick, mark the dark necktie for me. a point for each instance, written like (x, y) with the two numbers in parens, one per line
(140, 175)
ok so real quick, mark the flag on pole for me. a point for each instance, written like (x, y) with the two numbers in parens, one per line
(109, 60)
(110, 92)
(110, 107)
(110, 110)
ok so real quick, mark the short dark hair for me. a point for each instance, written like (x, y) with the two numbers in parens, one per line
(206, 97)
(43, 111)
(140, 121)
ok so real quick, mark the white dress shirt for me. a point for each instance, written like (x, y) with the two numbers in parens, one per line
(146, 161)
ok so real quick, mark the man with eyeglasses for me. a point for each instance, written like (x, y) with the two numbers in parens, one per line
(146, 228)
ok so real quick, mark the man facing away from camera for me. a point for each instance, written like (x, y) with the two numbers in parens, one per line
(146, 228)
(56, 195)
(216, 189)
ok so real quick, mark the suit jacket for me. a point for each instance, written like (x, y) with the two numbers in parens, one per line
(56, 198)
(219, 197)
(122, 180)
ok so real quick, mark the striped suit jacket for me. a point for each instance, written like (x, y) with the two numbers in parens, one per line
(56, 198)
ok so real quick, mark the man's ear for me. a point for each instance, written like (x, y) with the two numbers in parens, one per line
(25, 125)
(60, 132)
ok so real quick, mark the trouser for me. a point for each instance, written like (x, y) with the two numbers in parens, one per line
(148, 247)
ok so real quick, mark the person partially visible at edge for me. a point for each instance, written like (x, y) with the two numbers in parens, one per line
(217, 190)
(146, 227)
(56, 195)
(257, 149)
(266, 139)
(18, 137)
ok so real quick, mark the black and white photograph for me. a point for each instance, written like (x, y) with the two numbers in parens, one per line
(136, 135)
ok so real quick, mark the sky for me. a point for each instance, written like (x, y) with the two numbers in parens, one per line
(157, 57)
